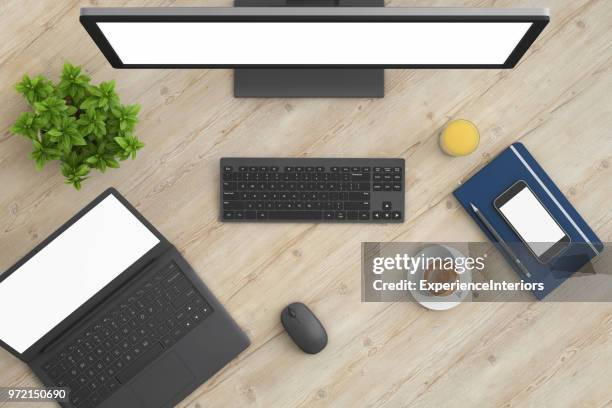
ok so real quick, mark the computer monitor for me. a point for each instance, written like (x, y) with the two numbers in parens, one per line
(273, 46)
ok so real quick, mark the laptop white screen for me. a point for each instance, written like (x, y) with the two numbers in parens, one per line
(69, 270)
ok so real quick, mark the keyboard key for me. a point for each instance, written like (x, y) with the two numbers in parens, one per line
(167, 341)
(396, 215)
(359, 196)
(294, 215)
(112, 385)
(82, 381)
(360, 177)
(172, 279)
(94, 399)
(364, 205)
(386, 205)
(79, 397)
(73, 372)
(119, 365)
(64, 380)
(99, 365)
(104, 392)
(233, 205)
(92, 385)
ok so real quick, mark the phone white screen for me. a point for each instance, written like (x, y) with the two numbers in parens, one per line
(532, 222)
(69, 270)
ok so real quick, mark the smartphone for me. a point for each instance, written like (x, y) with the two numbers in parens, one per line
(532, 222)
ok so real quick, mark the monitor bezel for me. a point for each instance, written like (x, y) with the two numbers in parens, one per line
(91, 16)
(143, 262)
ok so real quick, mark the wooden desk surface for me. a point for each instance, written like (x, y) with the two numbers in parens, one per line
(557, 101)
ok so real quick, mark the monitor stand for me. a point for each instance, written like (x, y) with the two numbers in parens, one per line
(309, 82)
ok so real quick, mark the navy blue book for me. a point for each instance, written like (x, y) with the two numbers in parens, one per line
(513, 164)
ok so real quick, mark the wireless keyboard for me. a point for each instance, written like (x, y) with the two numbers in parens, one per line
(312, 190)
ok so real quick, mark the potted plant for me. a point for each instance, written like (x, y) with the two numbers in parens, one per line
(83, 126)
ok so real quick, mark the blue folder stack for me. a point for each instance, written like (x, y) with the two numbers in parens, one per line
(513, 164)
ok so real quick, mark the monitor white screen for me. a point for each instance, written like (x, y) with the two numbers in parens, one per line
(69, 270)
(314, 43)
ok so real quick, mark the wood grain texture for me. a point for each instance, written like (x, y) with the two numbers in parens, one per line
(557, 101)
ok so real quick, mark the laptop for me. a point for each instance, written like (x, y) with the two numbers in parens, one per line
(109, 309)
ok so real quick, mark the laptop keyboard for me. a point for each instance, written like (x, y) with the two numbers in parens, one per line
(153, 315)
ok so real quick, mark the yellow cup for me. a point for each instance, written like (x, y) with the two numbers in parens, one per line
(459, 138)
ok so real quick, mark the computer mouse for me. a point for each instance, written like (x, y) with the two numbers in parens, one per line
(304, 328)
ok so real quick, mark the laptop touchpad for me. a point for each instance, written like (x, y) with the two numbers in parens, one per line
(162, 380)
